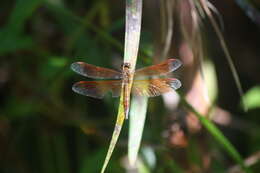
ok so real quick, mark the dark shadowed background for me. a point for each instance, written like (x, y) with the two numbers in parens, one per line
(47, 128)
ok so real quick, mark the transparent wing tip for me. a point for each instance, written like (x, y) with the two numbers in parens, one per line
(74, 66)
(82, 89)
(175, 84)
(75, 88)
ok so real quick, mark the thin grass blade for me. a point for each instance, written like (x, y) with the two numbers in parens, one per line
(223, 44)
(137, 120)
(218, 135)
(116, 133)
(132, 38)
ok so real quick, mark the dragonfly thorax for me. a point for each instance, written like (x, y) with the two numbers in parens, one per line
(126, 72)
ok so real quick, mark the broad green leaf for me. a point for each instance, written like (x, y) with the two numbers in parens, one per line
(252, 98)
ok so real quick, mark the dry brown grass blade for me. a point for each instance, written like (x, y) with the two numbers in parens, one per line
(204, 4)
(167, 38)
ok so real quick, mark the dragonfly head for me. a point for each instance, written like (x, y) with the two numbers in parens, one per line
(126, 65)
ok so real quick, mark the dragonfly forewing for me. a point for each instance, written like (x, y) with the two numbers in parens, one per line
(163, 68)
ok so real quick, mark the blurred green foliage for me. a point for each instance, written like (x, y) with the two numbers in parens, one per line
(252, 98)
(46, 128)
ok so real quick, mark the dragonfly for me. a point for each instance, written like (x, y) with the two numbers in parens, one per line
(149, 81)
